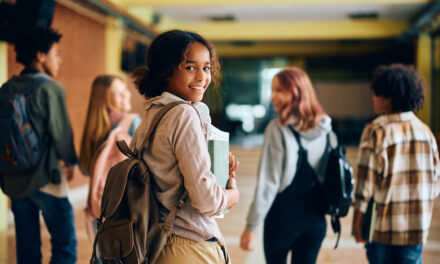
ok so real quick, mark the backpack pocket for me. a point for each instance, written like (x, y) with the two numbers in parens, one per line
(116, 242)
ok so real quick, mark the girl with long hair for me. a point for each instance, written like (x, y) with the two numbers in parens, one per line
(107, 113)
(291, 169)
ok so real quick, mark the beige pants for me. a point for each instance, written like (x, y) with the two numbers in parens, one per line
(181, 250)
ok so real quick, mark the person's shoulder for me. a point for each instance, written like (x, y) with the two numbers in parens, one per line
(48, 85)
(274, 125)
(274, 128)
(184, 110)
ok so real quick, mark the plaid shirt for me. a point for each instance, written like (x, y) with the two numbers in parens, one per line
(398, 164)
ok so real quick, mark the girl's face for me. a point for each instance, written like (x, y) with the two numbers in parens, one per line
(280, 97)
(191, 79)
(118, 97)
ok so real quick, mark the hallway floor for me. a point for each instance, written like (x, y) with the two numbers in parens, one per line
(233, 224)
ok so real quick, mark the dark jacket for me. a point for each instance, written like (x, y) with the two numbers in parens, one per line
(46, 107)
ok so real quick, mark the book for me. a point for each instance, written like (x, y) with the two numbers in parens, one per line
(218, 148)
(369, 221)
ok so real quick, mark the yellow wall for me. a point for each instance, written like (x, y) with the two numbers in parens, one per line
(3, 78)
(113, 45)
(3, 199)
(424, 67)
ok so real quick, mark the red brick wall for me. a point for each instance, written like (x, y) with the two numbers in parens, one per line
(82, 50)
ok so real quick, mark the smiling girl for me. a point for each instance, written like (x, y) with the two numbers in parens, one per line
(180, 67)
(291, 168)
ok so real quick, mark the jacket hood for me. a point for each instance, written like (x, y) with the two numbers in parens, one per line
(323, 127)
(22, 82)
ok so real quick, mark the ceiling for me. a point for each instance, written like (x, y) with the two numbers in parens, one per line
(282, 27)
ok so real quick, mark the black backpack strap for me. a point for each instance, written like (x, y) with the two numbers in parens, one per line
(297, 137)
(328, 145)
(336, 226)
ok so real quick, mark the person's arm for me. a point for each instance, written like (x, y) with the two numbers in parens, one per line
(59, 126)
(436, 162)
(369, 168)
(269, 177)
(191, 151)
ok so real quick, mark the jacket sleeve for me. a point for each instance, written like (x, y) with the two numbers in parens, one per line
(369, 167)
(58, 126)
(436, 161)
(191, 150)
(269, 176)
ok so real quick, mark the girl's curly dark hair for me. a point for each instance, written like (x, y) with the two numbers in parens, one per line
(402, 84)
(166, 53)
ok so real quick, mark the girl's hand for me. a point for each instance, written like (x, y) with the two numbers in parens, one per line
(233, 166)
(231, 189)
(246, 240)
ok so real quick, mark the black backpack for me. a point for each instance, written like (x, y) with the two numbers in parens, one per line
(20, 147)
(337, 189)
(338, 186)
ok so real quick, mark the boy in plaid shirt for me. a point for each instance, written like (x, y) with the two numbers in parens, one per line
(398, 167)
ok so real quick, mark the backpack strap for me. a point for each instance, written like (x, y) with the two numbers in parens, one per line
(123, 147)
(155, 122)
(297, 137)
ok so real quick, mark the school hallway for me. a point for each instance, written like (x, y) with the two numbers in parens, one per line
(233, 224)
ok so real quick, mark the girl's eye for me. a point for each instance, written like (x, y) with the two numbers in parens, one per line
(191, 68)
(206, 68)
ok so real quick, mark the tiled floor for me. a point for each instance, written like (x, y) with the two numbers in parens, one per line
(233, 223)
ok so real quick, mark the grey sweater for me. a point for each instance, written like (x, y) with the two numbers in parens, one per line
(278, 161)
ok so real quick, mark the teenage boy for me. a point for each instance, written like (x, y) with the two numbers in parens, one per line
(398, 167)
(45, 189)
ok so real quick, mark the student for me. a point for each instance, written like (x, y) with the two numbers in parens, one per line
(180, 67)
(398, 167)
(38, 51)
(108, 107)
(287, 189)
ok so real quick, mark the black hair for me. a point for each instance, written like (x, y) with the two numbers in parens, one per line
(34, 40)
(402, 84)
(165, 54)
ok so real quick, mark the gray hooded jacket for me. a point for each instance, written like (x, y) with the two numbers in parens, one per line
(278, 162)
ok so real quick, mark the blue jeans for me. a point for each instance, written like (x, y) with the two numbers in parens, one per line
(378, 253)
(58, 216)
